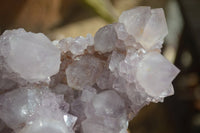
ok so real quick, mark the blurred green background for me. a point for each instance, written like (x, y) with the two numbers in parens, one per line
(63, 18)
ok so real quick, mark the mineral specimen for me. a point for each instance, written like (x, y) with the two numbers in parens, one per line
(84, 84)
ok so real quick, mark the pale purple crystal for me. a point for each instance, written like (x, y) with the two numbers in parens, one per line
(31, 106)
(30, 55)
(155, 30)
(135, 20)
(105, 39)
(108, 104)
(84, 72)
(84, 84)
(163, 72)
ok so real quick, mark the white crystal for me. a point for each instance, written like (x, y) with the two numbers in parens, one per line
(65, 44)
(70, 120)
(30, 106)
(163, 72)
(147, 26)
(155, 30)
(76, 45)
(46, 126)
(31, 55)
(90, 40)
(121, 31)
(135, 20)
(17, 106)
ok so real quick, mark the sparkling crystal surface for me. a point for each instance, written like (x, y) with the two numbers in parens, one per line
(30, 55)
(84, 84)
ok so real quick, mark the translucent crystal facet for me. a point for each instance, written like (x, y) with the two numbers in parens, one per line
(83, 72)
(84, 84)
(155, 65)
(31, 55)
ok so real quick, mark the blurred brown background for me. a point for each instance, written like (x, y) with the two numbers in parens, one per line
(63, 18)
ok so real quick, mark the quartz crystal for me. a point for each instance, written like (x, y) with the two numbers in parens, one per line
(84, 84)
(31, 56)
(83, 72)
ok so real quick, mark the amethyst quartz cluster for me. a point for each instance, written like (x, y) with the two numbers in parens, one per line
(84, 84)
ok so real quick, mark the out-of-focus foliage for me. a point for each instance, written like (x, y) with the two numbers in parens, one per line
(104, 8)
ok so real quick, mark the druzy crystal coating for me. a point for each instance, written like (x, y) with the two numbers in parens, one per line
(84, 84)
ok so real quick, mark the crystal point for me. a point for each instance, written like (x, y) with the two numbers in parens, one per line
(83, 72)
(84, 84)
(23, 49)
(155, 65)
